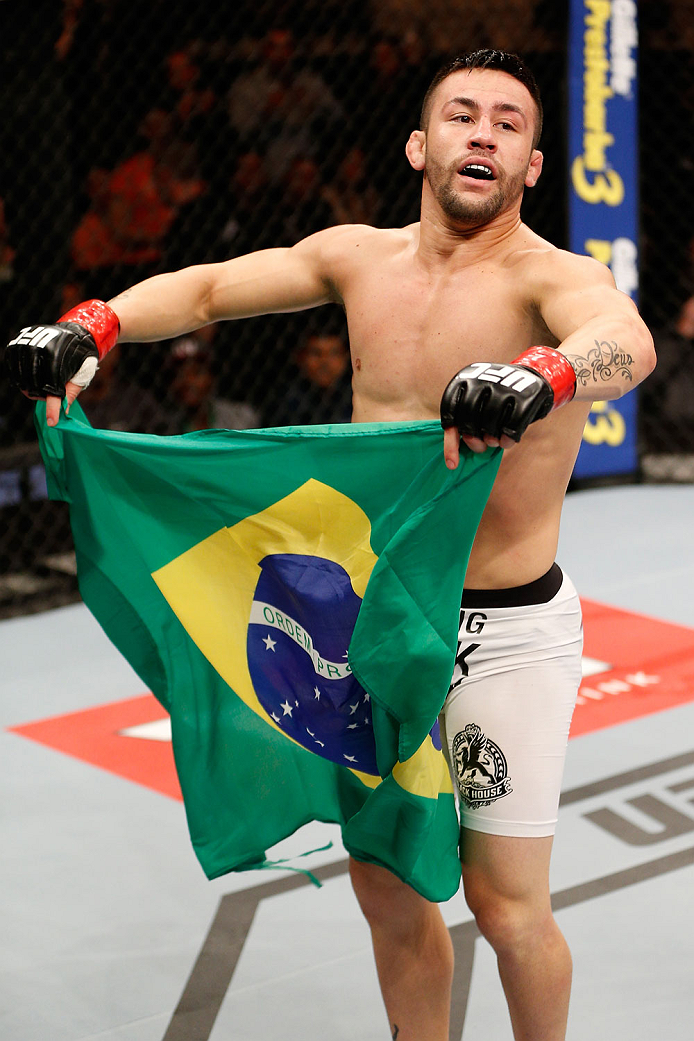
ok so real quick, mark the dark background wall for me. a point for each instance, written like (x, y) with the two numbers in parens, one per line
(141, 137)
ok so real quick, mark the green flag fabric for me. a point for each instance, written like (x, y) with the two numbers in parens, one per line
(291, 597)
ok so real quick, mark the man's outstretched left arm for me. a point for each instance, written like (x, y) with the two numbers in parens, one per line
(599, 329)
(603, 349)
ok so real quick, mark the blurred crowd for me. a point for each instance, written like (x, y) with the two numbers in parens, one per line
(183, 136)
(148, 137)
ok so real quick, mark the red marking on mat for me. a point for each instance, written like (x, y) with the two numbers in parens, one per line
(93, 736)
(651, 668)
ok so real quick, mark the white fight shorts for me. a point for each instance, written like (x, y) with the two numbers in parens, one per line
(506, 719)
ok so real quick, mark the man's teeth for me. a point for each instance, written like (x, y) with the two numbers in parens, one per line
(478, 170)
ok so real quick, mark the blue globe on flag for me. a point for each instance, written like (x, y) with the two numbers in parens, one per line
(303, 614)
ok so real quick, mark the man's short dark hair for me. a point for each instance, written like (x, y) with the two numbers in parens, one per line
(499, 61)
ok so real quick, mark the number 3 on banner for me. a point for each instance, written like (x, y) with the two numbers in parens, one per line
(604, 426)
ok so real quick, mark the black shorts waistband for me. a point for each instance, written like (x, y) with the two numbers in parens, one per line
(540, 591)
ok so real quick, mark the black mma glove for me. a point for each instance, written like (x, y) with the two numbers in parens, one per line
(41, 359)
(502, 400)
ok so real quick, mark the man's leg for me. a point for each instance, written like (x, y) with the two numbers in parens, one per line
(507, 888)
(413, 951)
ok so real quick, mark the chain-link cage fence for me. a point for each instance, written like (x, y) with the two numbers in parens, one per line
(139, 138)
(667, 237)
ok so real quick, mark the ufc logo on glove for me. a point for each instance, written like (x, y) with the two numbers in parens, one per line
(505, 375)
(35, 336)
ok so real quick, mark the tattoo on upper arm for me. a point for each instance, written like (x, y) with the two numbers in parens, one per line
(602, 363)
(122, 296)
(396, 1031)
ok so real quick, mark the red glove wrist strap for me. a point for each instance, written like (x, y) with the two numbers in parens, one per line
(555, 368)
(99, 319)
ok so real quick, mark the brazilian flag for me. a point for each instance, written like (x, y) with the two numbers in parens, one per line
(291, 597)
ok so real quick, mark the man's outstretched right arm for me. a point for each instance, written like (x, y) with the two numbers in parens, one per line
(266, 282)
(52, 361)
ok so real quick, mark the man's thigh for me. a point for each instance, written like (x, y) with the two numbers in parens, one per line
(505, 867)
(386, 899)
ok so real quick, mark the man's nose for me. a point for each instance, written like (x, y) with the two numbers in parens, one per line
(482, 135)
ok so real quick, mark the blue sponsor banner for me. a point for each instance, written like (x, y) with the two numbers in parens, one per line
(603, 191)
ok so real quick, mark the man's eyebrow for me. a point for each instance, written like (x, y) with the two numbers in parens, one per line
(501, 106)
(466, 102)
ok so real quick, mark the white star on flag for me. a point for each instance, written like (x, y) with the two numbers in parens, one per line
(269, 643)
(350, 758)
(317, 698)
(287, 708)
(354, 708)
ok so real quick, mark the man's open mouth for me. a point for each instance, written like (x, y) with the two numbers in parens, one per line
(478, 171)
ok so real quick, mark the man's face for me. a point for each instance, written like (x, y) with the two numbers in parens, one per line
(323, 360)
(478, 146)
(192, 384)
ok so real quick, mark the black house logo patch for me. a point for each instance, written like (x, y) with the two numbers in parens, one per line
(480, 768)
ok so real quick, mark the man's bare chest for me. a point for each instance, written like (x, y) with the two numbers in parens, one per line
(410, 334)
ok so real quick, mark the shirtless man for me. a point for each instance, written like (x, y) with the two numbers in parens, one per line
(467, 284)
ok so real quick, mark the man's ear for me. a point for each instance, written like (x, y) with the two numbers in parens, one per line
(534, 169)
(415, 149)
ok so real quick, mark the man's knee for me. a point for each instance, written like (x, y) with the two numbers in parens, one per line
(506, 882)
(509, 922)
